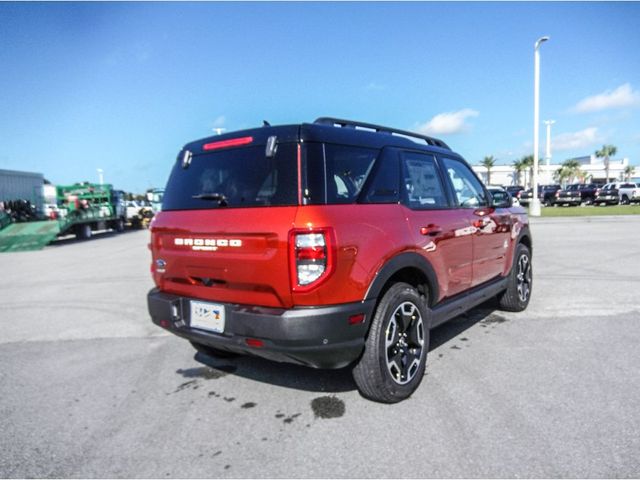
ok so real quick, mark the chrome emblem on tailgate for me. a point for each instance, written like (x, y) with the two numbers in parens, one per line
(207, 244)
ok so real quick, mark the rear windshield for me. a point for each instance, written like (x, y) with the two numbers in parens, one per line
(239, 177)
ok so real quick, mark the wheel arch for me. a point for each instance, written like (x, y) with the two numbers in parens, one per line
(525, 238)
(408, 267)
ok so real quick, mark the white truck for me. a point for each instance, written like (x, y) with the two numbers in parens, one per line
(619, 192)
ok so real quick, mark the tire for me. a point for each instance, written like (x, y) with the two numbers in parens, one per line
(547, 203)
(518, 293)
(625, 200)
(83, 231)
(119, 225)
(395, 353)
(212, 352)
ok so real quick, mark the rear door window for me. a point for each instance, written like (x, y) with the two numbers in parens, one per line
(239, 177)
(422, 186)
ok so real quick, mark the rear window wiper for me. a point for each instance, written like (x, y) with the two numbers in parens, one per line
(221, 199)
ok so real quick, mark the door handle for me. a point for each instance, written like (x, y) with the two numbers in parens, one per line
(431, 230)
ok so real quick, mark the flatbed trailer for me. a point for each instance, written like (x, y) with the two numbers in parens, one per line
(83, 208)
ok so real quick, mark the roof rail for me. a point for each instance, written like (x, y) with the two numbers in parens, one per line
(380, 129)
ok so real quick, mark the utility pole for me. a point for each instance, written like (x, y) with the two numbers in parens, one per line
(547, 156)
(534, 206)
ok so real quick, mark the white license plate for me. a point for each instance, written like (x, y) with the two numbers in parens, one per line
(207, 316)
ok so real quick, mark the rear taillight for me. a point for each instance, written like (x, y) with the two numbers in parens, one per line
(597, 191)
(558, 194)
(311, 257)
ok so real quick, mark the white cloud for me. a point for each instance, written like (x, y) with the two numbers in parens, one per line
(623, 96)
(576, 140)
(448, 123)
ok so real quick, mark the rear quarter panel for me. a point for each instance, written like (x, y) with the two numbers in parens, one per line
(366, 236)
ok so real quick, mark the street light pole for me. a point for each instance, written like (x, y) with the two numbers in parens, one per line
(534, 207)
(547, 156)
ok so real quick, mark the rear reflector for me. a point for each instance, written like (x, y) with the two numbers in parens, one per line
(234, 142)
(356, 319)
(254, 342)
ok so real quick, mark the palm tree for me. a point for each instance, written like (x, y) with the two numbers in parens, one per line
(561, 175)
(629, 171)
(527, 161)
(488, 163)
(572, 168)
(519, 167)
(605, 152)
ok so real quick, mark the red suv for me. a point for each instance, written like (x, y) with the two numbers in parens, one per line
(331, 244)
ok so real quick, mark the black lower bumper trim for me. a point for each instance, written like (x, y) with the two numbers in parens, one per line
(319, 337)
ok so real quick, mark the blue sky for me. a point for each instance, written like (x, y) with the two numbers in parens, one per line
(122, 86)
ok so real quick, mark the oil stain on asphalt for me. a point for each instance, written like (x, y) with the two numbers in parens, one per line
(203, 373)
(327, 407)
(207, 373)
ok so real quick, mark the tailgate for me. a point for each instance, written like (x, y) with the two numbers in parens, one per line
(232, 256)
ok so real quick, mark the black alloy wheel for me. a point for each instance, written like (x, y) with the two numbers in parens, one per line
(524, 277)
(404, 343)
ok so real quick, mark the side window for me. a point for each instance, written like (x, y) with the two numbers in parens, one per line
(422, 187)
(466, 186)
(335, 174)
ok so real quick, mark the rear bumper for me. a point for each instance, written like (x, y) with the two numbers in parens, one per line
(607, 199)
(317, 337)
(571, 200)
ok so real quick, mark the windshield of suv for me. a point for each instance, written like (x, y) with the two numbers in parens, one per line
(239, 177)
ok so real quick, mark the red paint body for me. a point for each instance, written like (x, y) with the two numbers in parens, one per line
(466, 247)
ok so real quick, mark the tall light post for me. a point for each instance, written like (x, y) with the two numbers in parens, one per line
(547, 156)
(100, 179)
(534, 207)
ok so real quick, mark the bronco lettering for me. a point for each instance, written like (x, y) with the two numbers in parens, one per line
(209, 242)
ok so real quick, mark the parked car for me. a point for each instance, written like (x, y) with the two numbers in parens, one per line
(608, 195)
(576, 194)
(629, 192)
(514, 190)
(331, 244)
(546, 194)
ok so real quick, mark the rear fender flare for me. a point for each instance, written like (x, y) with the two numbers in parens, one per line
(399, 262)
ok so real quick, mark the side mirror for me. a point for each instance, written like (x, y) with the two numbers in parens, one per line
(501, 200)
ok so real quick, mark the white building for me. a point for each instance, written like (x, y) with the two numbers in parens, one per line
(591, 166)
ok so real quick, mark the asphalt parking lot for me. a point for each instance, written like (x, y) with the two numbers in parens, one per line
(90, 388)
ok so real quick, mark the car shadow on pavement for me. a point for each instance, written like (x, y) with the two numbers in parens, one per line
(329, 381)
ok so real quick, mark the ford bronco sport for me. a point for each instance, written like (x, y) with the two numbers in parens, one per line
(331, 244)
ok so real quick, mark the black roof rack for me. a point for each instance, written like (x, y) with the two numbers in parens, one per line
(380, 129)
